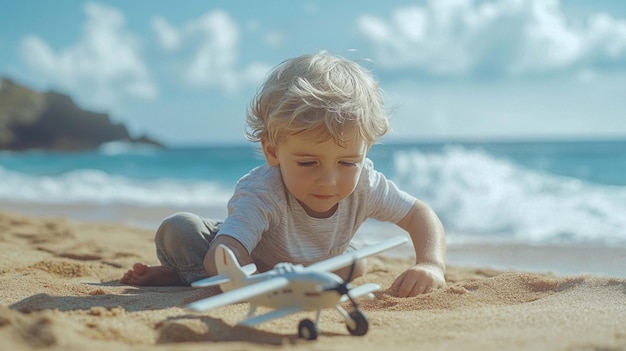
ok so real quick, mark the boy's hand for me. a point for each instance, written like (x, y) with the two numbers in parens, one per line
(419, 279)
(429, 242)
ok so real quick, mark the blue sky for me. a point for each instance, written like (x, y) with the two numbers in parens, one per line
(184, 72)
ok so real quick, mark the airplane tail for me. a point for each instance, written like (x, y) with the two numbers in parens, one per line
(228, 270)
(227, 265)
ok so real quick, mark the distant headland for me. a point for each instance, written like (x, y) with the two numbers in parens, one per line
(30, 119)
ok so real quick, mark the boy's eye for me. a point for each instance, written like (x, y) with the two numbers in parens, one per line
(307, 164)
(346, 163)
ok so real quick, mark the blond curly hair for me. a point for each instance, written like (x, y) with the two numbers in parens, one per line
(320, 96)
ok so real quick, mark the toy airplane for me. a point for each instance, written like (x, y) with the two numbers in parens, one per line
(290, 288)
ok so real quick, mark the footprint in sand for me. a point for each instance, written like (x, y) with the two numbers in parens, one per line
(63, 268)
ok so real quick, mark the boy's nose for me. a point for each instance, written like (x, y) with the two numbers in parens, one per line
(327, 177)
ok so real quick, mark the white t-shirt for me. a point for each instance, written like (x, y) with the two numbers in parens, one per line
(272, 225)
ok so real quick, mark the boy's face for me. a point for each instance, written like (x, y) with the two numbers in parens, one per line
(318, 175)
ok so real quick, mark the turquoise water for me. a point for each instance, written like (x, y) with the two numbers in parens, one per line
(530, 191)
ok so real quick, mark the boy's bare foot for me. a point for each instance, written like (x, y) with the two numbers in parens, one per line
(151, 276)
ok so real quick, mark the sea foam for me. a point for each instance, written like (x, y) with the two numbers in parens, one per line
(477, 194)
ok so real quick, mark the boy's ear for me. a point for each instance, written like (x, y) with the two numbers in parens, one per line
(271, 156)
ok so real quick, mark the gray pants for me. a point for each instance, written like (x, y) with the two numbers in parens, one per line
(182, 241)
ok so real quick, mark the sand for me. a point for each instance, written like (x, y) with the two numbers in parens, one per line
(59, 290)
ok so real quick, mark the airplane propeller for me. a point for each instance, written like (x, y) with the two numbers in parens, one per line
(343, 289)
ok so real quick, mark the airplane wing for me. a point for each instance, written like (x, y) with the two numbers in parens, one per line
(211, 281)
(270, 315)
(222, 278)
(347, 258)
(239, 294)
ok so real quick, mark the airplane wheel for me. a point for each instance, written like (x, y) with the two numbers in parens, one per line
(307, 329)
(361, 323)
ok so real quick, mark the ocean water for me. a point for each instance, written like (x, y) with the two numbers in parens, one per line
(524, 192)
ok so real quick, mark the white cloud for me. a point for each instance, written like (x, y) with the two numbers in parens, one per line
(168, 37)
(606, 37)
(101, 69)
(460, 37)
(210, 45)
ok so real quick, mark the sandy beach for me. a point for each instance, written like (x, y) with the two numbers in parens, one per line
(60, 291)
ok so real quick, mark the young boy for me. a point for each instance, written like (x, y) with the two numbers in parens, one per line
(316, 118)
